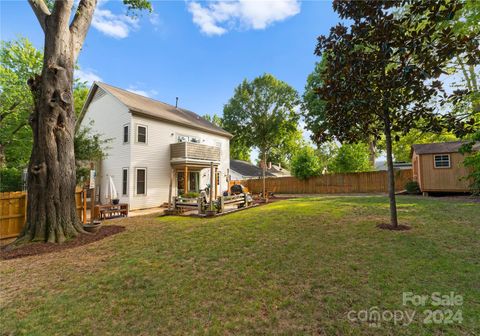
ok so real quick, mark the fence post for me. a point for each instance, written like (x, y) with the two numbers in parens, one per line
(84, 210)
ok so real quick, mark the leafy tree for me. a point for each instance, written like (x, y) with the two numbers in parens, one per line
(51, 213)
(283, 153)
(238, 150)
(402, 149)
(305, 163)
(19, 60)
(262, 114)
(351, 158)
(215, 119)
(314, 106)
(472, 161)
(89, 146)
(382, 73)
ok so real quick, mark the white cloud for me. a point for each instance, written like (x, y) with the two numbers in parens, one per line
(145, 93)
(87, 75)
(114, 25)
(217, 17)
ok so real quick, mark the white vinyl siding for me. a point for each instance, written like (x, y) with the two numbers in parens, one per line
(109, 117)
(156, 157)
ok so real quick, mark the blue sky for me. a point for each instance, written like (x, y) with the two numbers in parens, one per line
(198, 51)
(166, 54)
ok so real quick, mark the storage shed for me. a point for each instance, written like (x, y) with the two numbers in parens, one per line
(438, 167)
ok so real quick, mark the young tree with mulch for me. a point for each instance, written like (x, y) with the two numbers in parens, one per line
(51, 213)
(382, 74)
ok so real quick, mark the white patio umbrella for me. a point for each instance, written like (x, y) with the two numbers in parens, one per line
(111, 190)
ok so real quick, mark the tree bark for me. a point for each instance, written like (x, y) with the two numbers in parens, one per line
(51, 210)
(372, 148)
(391, 176)
(264, 168)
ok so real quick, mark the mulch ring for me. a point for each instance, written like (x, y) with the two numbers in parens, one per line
(400, 227)
(42, 248)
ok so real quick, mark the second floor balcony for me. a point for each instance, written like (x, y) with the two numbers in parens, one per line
(190, 151)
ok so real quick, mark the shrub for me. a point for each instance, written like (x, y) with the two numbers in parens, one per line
(10, 179)
(191, 194)
(305, 163)
(412, 187)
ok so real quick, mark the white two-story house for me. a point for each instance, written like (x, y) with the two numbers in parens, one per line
(156, 149)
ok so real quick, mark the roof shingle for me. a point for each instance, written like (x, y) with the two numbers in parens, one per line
(157, 109)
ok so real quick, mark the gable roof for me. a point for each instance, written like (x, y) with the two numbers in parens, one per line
(149, 107)
(278, 171)
(441, 147)
(247, 169)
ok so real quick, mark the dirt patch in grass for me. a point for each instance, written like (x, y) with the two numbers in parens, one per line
(399, 227)
(42, 248)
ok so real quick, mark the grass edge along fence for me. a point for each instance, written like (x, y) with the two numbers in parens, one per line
(13, 211)
(367, 182)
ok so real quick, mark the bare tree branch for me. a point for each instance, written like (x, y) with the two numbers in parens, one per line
(61, 14)
(81, 23)
(41, 11)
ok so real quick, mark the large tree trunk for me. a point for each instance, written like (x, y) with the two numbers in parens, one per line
(391, 176)
(51, 210)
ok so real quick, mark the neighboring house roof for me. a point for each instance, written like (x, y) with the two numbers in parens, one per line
(278, 171)
(382, 165)
(247, 169)
(156, 109)
(441, 147)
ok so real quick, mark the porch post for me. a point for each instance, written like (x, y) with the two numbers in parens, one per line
(216, 185)
(170, 190)
(212, 181)
(185, 180)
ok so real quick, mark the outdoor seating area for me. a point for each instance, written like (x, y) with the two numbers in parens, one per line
(107, 211)
(220, 205)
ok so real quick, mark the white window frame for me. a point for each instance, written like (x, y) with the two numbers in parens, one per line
(125, 169)
(442, 167)
(136, 181)
(128, 134)
(146, 134)
(188, 138)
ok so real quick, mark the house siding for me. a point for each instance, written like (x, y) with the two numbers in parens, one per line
(109, 116)
(155, 156)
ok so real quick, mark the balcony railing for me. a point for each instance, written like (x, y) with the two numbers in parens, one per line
(194, 151)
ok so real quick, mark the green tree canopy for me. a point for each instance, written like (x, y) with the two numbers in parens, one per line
(351, 158)
(262, 114)
(305, 163)
(19, 61)
(382, 74)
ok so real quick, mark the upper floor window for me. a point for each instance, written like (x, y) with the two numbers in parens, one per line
(142, 134)
(442, 161)
(187, 138)
(125, 134)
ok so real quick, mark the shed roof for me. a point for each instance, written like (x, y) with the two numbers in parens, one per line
(247, 169)
(441, 147)
(156, 109)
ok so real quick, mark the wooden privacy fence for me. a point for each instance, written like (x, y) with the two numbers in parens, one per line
(368, 182)
(13, 211)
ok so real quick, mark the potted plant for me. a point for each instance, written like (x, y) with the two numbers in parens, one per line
(93, 226)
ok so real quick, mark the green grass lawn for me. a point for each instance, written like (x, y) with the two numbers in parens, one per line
(293, 267)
